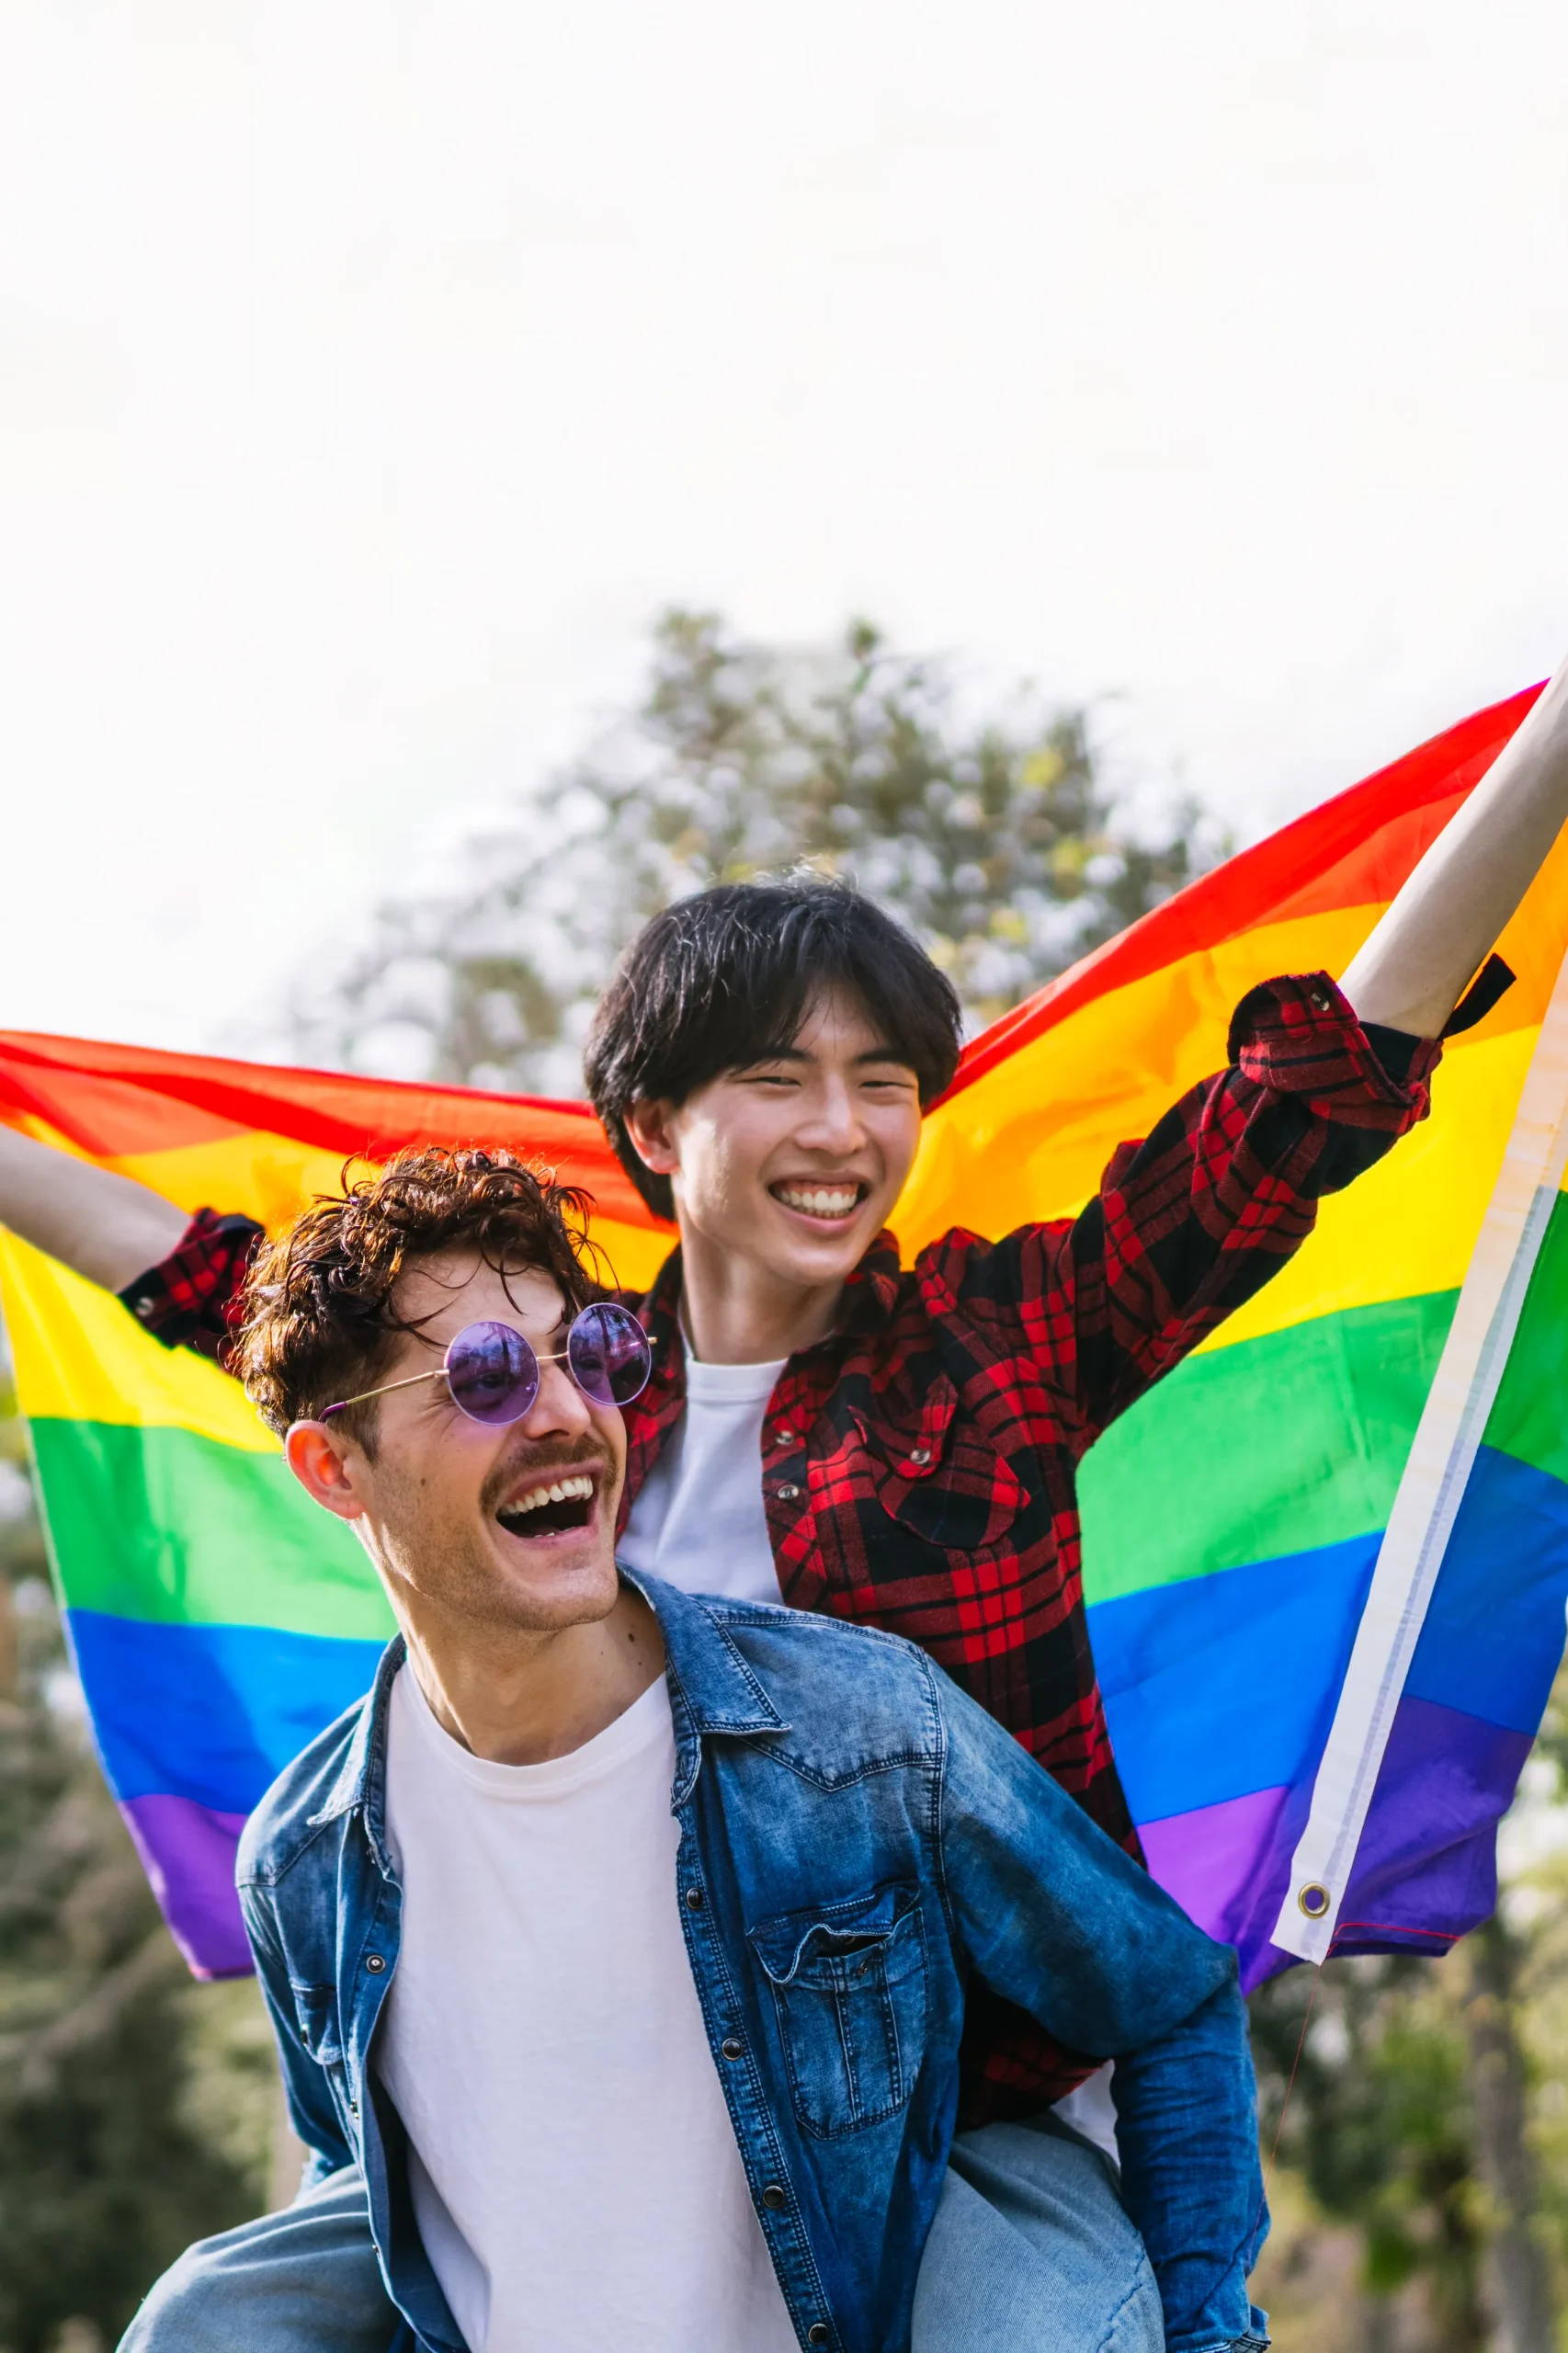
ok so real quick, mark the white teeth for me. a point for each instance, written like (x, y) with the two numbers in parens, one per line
(822, 1200)
(573, 1490)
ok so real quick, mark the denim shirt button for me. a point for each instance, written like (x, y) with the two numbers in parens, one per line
(774, 2196)
(731, 2047)
(693, 1899)
(818, 2333)
(375, 1963)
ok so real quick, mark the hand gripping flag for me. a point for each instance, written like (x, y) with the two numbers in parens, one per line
(1325, 1558)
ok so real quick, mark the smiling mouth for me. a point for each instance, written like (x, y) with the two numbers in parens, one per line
(552, 1508)
(828, 1204)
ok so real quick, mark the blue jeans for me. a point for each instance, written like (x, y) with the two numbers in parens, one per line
(1030, 2252)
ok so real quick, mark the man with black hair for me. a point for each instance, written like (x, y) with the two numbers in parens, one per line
(899, 1446)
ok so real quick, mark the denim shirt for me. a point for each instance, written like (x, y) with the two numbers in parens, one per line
(857, 1839)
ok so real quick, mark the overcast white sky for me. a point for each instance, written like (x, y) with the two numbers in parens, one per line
(371, 374)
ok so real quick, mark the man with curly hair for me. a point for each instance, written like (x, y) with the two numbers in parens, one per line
(619, 1942)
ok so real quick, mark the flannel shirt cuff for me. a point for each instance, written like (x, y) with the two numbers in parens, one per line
(191, 1299)
(1298, 1036)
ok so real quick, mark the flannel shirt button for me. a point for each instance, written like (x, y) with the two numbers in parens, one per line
(788, 1494)
(785, 1435)
(920, 1455)
(1320, 998)
(143, 1308)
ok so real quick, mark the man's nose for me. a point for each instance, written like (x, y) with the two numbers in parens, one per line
(832, 1118)
(560, 1408)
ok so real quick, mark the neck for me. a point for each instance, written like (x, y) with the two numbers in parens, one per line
(521, 1698)
(738, 1312)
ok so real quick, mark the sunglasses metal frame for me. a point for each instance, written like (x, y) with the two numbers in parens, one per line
(438, 1371)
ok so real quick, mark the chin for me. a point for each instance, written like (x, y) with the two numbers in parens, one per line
(556, 1590)
(832, 1254)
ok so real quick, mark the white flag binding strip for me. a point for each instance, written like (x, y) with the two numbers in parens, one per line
(1429, 1493)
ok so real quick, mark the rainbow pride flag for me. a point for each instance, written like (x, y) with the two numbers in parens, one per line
(1326, 1559)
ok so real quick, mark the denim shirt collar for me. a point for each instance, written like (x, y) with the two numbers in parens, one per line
(361, 1783)
(712, 1691)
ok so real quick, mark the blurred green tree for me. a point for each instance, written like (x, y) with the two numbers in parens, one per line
(1519, 2236)
(1381, 2127)
(134, 2106)
(1430, 2102)
(997, 838)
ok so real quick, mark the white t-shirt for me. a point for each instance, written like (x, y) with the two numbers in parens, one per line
(573, 2170)
(698, 1520)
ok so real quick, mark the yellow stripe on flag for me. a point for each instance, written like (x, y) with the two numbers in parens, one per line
(80, 1357)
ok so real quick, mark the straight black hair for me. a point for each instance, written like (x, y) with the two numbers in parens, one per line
(725, 978)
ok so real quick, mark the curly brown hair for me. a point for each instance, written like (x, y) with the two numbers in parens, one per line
(319, 1321)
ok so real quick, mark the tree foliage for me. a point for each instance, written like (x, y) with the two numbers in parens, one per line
(1428, 2105)
(133, 2106)
(1381, 2125)
(995, 839)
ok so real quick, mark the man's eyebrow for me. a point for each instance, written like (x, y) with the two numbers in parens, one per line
(797, 1054)
(773, 1054)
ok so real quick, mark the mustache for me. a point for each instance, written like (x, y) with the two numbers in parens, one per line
(541, 1463)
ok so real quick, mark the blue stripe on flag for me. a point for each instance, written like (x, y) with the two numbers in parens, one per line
(1218, 1685)
(212, 1713)
(1493, 1630)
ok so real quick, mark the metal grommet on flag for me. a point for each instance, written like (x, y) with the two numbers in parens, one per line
(1313, 1898)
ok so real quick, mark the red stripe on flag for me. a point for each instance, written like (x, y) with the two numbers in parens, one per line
(1354, 850)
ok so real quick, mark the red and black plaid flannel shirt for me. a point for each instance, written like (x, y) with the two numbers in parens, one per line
(919, 1466)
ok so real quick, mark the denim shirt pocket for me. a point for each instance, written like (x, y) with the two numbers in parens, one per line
(316, 2014)
(848, 1986)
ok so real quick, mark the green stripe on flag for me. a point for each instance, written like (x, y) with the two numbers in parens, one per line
(167, 1527)
(1275, 1446)
(1529, 1413)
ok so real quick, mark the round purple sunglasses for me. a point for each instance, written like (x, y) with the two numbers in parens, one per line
(492, 1373)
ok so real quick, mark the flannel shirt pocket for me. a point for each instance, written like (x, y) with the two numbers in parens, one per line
(938, 1477)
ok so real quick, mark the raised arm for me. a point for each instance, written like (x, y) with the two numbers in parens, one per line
(1411, 972)
(103, 1226)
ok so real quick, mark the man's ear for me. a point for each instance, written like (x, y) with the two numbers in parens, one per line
(648, 1125)
(316, 1456)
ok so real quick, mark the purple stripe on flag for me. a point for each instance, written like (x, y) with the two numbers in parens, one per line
(1227, 1864)
(188, 1852)
(1426, 1867)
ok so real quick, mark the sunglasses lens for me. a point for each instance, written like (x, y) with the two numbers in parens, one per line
(491, 1372)
(607, 1352)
